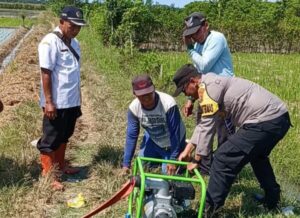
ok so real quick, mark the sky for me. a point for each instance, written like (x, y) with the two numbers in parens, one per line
(177, 3)
(180, 3)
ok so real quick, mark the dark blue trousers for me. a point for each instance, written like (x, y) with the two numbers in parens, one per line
(252, 143)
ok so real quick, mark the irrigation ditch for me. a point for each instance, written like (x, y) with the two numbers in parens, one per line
(10, 44)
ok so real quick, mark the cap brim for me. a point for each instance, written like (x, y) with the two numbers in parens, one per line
(191, 31)
(78, 23)
(178, 91)
(144, 91)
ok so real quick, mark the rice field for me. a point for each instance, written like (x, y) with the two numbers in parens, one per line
(5, 34)
(279, 73)
(97, 146)
(18, 12)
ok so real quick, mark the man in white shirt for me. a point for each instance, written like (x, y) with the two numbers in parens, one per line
(59, 59)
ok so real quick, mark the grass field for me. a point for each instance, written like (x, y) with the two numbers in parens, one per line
(97, 145)
(278, 73)
(16, 21)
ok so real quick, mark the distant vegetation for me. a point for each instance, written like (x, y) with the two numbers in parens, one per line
(25, 1)
(249, 25)
(23, 6)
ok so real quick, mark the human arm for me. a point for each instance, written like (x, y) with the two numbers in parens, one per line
(174, 124)
(188, 108)
(202, 137)
(50, 109)
(47, 51)
(132, 132)
(211, 53)
(185, 155)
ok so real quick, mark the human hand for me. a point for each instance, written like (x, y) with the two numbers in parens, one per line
(192, 166)
(125, 171)
(50, 111)
(188, 40)
(184, 156)
(188, 108)
(171, 169)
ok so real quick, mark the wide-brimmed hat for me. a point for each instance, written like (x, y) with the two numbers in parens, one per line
(73, 14)
(193, 23)
(142, 85)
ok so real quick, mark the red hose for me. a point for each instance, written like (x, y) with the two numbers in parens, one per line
(121, 194)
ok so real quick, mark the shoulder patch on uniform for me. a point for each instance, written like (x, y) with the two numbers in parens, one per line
(207, 104)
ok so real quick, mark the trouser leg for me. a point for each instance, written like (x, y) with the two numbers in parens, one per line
(251, 142)
(264, 173)
(228, 162)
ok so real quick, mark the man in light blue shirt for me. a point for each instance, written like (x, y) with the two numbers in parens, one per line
(209, 52)
(208, 49)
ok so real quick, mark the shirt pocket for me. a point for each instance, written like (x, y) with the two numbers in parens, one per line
(66, 57)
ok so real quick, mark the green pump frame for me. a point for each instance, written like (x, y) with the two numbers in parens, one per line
(139, 170)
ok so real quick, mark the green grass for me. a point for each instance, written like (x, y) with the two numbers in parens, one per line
(16, 21)
(18, 159)
(277, 73)
(107, 74)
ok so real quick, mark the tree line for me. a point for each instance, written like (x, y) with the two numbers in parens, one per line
(249, 25)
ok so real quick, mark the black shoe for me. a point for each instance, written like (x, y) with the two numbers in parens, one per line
(259, 198)
(269, 204)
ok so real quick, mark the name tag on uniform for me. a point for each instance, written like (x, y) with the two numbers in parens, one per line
(207, 104)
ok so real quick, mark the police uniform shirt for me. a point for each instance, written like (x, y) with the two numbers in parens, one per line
(55, 56)
(242, 100)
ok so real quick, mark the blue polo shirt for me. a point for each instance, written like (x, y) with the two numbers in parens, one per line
(55, 56)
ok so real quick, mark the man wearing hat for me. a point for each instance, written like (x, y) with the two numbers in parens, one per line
(158, 114)
(59, 59)
(208, 49)
(209, 52)
(262, 118)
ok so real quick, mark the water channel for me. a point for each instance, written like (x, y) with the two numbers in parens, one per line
(6, 33)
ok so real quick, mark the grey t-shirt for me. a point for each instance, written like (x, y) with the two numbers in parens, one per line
(240, 99)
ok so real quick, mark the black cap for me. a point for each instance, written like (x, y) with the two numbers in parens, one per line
(182, 76)
(73, 14)
(193, 23)
(142, 85)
